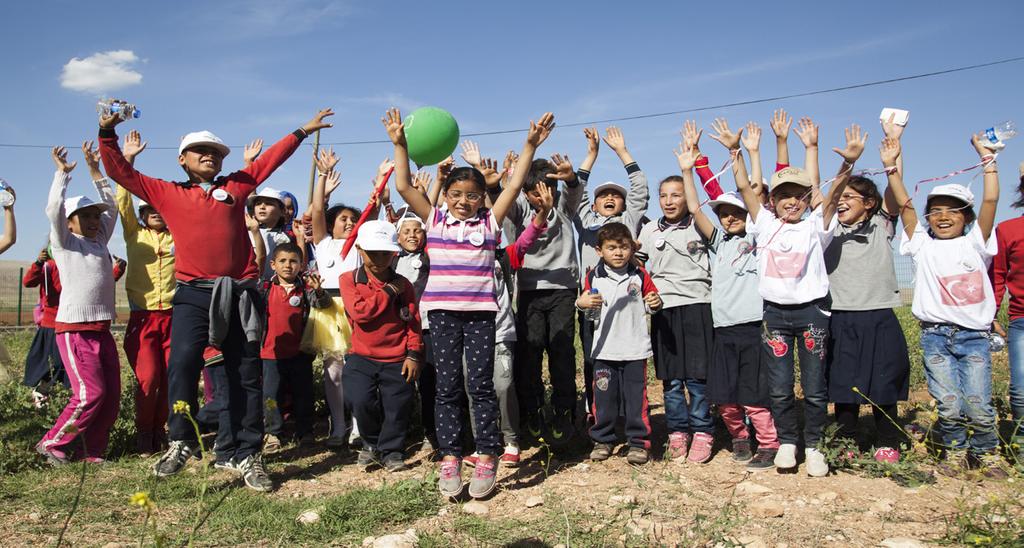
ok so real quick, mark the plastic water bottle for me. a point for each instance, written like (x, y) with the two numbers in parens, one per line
(6, 198)
(593, 314)
(1000, 133)
(107, 107)
(997, 342)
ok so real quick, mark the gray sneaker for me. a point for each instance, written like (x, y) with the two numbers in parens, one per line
(449, 482)
(395, 463)
(638, 455)
(255, 474)
(226, 464)
(366, 459)
(484, 479)
(601, 451)
(174, 459)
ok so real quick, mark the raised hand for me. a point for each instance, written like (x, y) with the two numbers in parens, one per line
(252, 151)
(781, 122)
(317, 122)
(725, 135)
(889, 150)
(752, 139)
(891, 129)
(60, 158)
(333, 180)
(545, 200)
(471, 153)
(563, 168)
(540, 130)
(92, 155)
(392, 121)
(489, 168)
(386, 165)
(509, 165)
(614, 139)
(422, 181)
(691, 135)
(686, 155)
(444, 169)
(855, 141)
(593, 140)
(808, 132)
(978, 140)
(133, 145)
(313, 281)
(326, 160)
(251, 224)
(112, 119)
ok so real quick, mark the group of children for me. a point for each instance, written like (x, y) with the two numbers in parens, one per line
(228, 283)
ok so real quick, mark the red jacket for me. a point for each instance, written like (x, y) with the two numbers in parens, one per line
(46, 277)
(209, 235)
(1008, 266)
(385, 320)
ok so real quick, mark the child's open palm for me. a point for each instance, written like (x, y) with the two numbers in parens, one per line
(890, 150)
(546, 200)
(326, 160)
(781, 122)
(60, 157)
(614, 139)
(725, 135)
(563, 168)
(855, 141)
(92, 155)
(133, 145)
(593, 139)
(392, 121)
(471, 153)
(541, 129)
(252, 151)
(808, 132)
(752, 139)
(686, 155)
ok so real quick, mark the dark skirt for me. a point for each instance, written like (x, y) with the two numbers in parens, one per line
(682, 337)
(739, 366)
(43, 362)
(867, 351)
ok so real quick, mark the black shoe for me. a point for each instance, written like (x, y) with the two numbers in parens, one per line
(741, 450)
(255, 474)
(395, 463)
(535, 425)
(562, 428)
(764, 459)
(366, 459)
(174, 459)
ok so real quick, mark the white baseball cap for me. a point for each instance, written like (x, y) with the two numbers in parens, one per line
(204, 138)
(953, 190)
(76, 203)
(610, 185)
(377, 236)
(271, 193)
(728, 198)
(408, 216)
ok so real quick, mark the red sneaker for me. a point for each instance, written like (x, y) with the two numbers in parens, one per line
(511, 456)
(887, 455)
(700, 448)
(471, 460)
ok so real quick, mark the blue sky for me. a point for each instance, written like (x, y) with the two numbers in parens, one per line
(247, 69)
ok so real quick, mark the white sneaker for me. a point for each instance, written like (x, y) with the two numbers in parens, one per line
(815, 462)
(786, 457)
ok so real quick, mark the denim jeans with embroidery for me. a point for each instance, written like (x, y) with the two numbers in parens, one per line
(805, 327)
(958, 364)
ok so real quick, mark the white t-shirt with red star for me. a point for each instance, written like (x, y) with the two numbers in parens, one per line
(791, 256)
(951, 283)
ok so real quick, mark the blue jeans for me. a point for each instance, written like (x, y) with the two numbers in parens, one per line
(958, 364)
(682, 418)
(802, 327)
(1016, 348)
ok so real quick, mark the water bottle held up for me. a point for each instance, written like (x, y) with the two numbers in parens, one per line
(1000, 133)
(124, 110)
(6, 198)
(593, 314)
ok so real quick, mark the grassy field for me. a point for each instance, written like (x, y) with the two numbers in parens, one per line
(658, 504)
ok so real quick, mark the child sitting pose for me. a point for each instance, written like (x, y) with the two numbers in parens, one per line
(386, 347)
(460, 300)
(738, 374)
(794, 286)
(624, 294)
(288, 298)
(79, 232)
(954, 301)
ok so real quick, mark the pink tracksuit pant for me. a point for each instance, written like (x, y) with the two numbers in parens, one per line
(760, 417)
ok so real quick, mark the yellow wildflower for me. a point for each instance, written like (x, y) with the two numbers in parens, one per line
(182, 408)
(271, 404)
(142, 500)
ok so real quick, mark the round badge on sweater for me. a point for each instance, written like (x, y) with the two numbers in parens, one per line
(476, 239)
(295, 300)
(221, 195)
(281, 238)
(328, 262)
(416, 263)
(659, 243)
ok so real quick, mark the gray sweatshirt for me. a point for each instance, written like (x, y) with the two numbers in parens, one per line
(551, 262)
(588, 222)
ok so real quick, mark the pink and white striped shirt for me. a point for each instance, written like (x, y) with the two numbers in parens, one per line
(461, 263)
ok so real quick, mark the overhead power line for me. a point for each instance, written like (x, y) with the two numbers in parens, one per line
(660, 114)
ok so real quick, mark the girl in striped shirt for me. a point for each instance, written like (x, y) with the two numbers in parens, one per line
(460, 302)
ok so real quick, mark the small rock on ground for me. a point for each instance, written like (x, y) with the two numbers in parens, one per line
(901, 542)
(475, 507)
(408, 539)
(622, 499)
(534, 502)
(750, 488)
(308, 517)
(766, 509)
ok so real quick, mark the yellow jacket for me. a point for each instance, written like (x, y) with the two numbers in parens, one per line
(150, 279)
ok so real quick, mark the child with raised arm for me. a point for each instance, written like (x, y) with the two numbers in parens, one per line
(675, 254)
(79, 232)
(624, 294)
(150, 286)
(867, 358)
(10, 234)
(288, 298)
(217, 295)
(794, 286)
(460, 299)
(268, 209)
(738, 373)
(548, 284)
(954, 301)
(43, 365)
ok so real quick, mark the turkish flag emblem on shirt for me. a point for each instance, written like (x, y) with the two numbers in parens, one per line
(962, 289)
(783, 264)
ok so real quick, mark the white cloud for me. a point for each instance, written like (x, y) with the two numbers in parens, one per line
(101, 72)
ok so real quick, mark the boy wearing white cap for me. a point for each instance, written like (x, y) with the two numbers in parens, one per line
(955, 303)
(216, 300)
(387, 348)
(268, 209)
(79, 232)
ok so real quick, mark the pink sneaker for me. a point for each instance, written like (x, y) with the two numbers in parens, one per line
(471, 460)
(887, 455)
(678, 442)
(700, 449)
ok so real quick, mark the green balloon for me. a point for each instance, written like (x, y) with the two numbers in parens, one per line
(432, 134)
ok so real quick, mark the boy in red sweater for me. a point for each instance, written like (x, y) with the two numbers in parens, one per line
(216, 302)
(387, 346)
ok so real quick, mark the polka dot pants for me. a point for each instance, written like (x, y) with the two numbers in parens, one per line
(450, 333)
